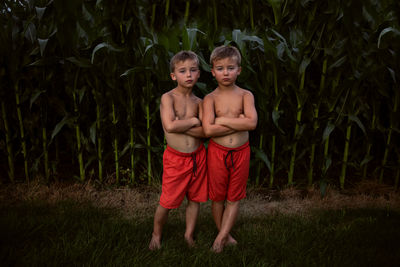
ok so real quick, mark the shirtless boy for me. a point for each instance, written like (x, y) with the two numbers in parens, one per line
(229, 113)
(184, 160)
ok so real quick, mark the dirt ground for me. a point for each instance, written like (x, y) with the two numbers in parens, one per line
(142, 201)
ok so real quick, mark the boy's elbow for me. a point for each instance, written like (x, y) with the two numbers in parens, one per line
(169, 128)
(253, 125)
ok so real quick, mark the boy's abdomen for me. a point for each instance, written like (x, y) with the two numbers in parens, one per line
(182, 142)
(232, 140)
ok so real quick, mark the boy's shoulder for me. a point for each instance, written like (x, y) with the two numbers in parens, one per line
(167, 94)
(196, 98)
(212, 93)
(243, 90)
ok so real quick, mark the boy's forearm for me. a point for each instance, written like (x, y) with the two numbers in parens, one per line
(181, 126)
(237, 124)
(197, 132)
(216, 130)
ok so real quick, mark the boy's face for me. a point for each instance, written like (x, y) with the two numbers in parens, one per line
(226, 71)
(186, 73)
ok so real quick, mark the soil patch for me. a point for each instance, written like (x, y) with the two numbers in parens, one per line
(142, 201)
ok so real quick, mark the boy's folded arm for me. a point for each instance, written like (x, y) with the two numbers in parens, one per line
(196, 131)
(246, 121)
(169, 120)
(242, 123)
(181, 126)
(210, 128)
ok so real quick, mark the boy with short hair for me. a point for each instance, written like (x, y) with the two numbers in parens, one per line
(184, 160)
(229, 113)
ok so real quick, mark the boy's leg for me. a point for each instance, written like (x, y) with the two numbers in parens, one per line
(228, 219)
(192, 212)
(160, 218)
(217, 209)
(218, 212)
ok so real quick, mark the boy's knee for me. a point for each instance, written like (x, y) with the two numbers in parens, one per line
(233, 203)
(193, 203)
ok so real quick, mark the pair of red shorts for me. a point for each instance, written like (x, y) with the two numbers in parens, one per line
(184, 174)
(228, 171)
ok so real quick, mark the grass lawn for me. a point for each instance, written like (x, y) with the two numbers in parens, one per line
(80, 233)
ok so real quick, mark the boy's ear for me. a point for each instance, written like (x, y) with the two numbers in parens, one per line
(212, 72)
(240, 70)
(173, 77)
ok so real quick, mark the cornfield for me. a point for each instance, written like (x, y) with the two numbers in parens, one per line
(81, 83)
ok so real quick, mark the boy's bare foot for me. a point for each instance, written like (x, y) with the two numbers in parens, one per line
(219, 244)
(231, 241)
(155, 243)
(190, 242)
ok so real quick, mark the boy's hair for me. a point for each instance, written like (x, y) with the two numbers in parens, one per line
(225, 51)
(182, 56)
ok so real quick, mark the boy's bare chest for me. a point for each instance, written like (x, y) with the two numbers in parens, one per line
(186, 108)
(228, 106)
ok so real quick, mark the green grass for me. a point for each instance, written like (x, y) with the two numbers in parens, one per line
(72, 234)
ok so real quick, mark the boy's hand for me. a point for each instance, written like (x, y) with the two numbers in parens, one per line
(219, 120)
(196, 122)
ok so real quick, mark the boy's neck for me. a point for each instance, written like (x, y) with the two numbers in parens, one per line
(227, 88)
(183, 90)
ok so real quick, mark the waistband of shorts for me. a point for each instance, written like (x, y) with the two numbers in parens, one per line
(245, 145)
(183, 154)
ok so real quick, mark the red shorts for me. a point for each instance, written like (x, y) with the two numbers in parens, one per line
(184, 174)
(228, 171)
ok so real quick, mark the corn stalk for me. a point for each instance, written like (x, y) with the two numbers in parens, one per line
(368, 155)
(115, 143)
(251, 15)
(22, 132)
(389, 138)
(99, 138)
(45, 154)
(310, 173)
(166, 8)
(10, 157)
(276, 112)
(187, 8)
(298, 121)
(148, 137)
(345, 154)
(77, 129)
(131, 134)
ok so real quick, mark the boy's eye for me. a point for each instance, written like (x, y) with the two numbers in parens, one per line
(194, 69)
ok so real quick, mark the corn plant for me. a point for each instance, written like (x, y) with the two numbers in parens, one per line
(96, 133)
(324, 75)
(10, 152)
(393, 70)
(274, 51)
